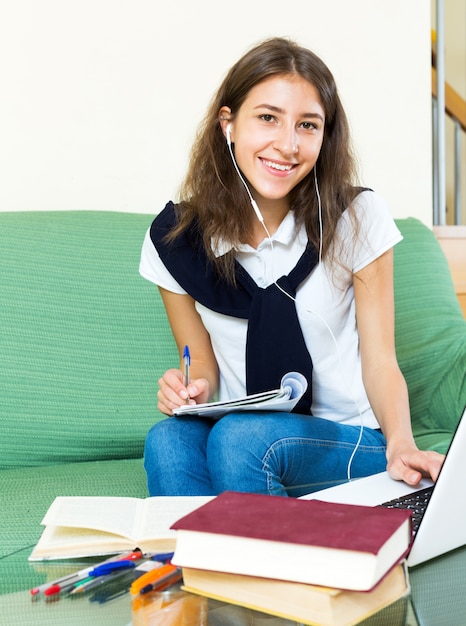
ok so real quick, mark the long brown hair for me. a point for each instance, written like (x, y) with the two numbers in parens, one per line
(212, 194)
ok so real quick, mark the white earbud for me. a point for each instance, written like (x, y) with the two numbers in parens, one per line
(228, 134)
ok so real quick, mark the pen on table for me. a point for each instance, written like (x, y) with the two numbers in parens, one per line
(124, 575)
(164, 557)
(162, 583)
(53, 590)
(118, 585)
(187, 363)
(109, 568)
(131, 574)
(71, 579)
(93, 573)
(60, 583)
(154, 577)
(102, 596)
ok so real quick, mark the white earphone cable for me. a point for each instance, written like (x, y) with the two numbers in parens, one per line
(334, 340)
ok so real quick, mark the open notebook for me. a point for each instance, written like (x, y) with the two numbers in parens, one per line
(443, 524)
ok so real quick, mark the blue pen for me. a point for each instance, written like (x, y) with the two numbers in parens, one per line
(163, 557)
(120, 578)
(187, 363)
(54, 587)
(123, 579)
(108, 568)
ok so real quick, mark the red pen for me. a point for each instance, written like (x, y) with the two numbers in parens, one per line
(54, 589)
(55, 586)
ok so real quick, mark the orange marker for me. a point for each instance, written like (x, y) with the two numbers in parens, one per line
(156, 578)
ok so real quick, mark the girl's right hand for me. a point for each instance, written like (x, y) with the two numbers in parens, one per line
(172, 392)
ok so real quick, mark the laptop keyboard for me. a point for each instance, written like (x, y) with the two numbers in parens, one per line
(415, 502)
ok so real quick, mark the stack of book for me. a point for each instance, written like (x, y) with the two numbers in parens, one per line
(308, 561)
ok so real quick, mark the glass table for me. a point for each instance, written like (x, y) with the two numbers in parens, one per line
(438, 598)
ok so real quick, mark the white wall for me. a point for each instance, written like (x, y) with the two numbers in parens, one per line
(101, 98)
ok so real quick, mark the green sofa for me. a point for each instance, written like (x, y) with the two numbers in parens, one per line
(83, 340)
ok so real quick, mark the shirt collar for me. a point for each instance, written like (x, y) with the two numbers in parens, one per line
(285, 235)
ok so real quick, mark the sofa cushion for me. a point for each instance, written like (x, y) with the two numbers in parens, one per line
(83, 338)
(28, 493)
(430, 336)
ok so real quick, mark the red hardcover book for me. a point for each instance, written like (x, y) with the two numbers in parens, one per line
(308, 541)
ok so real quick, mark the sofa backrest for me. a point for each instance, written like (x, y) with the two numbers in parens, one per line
(83, 338)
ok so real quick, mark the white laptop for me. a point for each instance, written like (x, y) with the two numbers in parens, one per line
(443, 525)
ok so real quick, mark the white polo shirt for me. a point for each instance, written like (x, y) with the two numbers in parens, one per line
(324, 302)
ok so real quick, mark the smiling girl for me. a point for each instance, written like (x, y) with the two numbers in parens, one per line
(275, 261)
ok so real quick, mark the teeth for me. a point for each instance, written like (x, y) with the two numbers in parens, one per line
(277, 166)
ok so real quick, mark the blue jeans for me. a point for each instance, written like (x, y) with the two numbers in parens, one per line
(274, 453)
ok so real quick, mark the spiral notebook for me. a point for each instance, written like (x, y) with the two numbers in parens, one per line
(292, 387)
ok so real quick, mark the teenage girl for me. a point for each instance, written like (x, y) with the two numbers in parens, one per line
(274, 260)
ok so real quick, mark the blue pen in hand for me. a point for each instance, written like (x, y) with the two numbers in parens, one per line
(187, 363)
